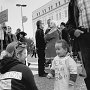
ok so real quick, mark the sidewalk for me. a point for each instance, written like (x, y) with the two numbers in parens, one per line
(43, 83)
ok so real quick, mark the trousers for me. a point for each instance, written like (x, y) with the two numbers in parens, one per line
(84, 45)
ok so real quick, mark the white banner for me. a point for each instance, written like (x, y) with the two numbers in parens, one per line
(1, 34)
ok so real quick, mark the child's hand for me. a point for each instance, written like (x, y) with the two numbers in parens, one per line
(71, 83)
(49, 76)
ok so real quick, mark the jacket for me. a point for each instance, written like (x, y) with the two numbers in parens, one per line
(15, 75)
(40, 41)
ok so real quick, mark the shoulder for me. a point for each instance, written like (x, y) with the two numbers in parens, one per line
(70, 60)
(21, 68)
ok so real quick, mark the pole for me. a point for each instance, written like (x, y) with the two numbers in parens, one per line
(22, 19)
(1, 40)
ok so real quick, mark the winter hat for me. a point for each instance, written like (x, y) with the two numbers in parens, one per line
(11, 47)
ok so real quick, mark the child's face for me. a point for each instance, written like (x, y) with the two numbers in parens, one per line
(59, 50)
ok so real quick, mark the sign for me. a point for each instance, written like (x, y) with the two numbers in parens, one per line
(24, 19)
(4, 16)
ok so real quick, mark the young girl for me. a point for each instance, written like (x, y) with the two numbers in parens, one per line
(64, 67)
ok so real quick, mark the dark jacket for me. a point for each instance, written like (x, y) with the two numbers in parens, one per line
(40, 42)
(17, 74)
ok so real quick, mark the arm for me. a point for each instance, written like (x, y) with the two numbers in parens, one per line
(52, 71)
(29, 79)
(73, 71)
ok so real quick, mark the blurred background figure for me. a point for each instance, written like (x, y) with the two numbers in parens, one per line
(51, 37)
(48, 28)
(21, 36)
(40, 46)
(34, 51)
(17, 31)
(9, 36)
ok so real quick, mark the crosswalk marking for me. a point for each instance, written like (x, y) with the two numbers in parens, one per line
(34, 67)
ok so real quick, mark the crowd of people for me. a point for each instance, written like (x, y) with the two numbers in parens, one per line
(13, 66)
(76, 32)
(10, 37)
(57, 42)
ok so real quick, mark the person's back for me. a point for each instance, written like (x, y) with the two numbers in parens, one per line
(13, 70)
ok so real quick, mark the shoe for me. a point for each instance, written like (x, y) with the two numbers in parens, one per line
(44, 75)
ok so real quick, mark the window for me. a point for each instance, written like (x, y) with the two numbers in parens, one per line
(56, 4)
(52, 17)
(59, 2)
(65, 13)
(37, 14)
(45, 10)
(49, 8)
(42, 11)
(64, 1)
(60, 15)
(57, 16)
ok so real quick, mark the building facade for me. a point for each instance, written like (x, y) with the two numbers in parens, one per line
(55, 10)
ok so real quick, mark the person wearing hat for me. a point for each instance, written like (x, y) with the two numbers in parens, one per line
(21, 36)
(15, 75)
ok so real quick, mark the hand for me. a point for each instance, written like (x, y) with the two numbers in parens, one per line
(71, 83)
(78, 32)
(49, 76)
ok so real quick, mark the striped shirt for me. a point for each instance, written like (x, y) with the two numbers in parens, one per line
(84, 15)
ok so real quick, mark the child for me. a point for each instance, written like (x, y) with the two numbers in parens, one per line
(64, 67)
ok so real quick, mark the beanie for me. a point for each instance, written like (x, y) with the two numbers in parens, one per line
(11, 47)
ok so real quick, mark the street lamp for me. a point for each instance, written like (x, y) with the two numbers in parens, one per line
(20, 5)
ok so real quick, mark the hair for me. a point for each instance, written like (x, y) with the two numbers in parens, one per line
(64, 44)
(38, 23)
(62, 23)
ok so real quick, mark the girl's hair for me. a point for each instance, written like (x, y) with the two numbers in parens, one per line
(64, 44)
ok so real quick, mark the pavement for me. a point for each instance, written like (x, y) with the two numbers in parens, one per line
(43, 83)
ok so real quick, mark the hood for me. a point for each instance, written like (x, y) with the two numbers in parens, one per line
(7, 63)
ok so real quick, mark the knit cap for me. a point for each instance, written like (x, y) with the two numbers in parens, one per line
(15, 47)
(11, 47)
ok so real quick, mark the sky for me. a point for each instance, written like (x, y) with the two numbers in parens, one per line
(14, 13)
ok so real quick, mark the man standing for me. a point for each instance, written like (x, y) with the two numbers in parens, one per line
(79, 29)
(40, 46)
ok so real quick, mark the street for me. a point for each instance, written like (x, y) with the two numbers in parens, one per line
(43, 83)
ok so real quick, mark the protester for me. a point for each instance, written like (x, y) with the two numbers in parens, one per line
(64, 32)
(9, 36)
(21, 36)
(79, 29)
(17, 31)
(40, 46)
(63, 67)
(34, 51)
(15, 75)
(48, 23)
(50, 38)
